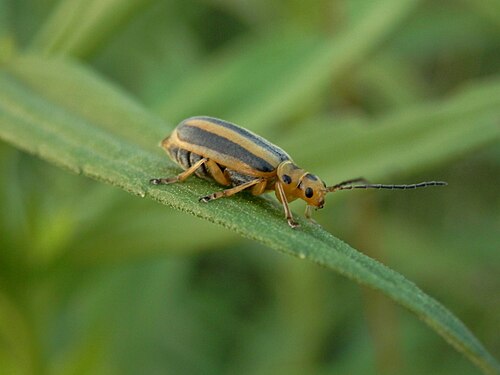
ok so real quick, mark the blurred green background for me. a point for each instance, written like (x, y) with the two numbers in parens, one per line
(95, 281)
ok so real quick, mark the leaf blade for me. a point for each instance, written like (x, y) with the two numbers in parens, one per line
(270, 80)
(36, 120)
(79, 28)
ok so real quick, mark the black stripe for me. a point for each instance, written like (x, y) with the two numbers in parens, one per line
(268, 146)
(200, 137)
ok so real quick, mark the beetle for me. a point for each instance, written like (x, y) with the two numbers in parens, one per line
(218, 150)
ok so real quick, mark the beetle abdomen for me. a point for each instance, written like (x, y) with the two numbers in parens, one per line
(228, 145)
(186, 159)
(238, 178)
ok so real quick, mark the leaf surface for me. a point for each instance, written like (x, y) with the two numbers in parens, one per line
(89, 127)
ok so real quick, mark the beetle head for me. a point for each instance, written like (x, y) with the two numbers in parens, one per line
(298, 183)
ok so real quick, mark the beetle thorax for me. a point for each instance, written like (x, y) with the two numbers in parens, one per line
(298, 183)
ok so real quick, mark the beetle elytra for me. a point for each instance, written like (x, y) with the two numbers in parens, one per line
(233, 156)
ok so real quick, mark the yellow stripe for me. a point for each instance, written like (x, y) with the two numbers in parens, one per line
(236, 138)
(224, 160)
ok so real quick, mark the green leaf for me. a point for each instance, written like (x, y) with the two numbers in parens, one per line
(269, 80)
(82, 124)
(78, 28)
(7, 43)
(489, 9)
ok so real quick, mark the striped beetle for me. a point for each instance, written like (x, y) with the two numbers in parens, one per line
(233, 156)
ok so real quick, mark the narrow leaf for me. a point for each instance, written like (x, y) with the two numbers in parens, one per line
(266, 82)
(78, 28)
(76, 138)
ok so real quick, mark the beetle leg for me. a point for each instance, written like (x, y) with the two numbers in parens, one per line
(229, 192)
(308, 214)
(217, 173)
(259, 188)
(181, 176)
(288, 213)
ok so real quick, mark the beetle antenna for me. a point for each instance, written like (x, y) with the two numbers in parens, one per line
(347, 185)
(347, 182)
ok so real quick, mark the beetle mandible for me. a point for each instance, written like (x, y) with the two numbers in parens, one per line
(216, 149)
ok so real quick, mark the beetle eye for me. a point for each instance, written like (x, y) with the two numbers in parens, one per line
(286, 179)
(309, 192)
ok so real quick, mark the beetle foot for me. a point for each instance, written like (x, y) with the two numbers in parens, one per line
(206, 198)
(293, 224)
(162, 181)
